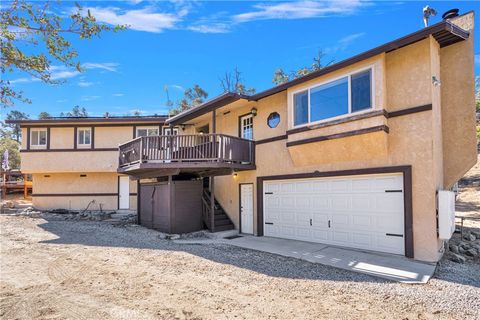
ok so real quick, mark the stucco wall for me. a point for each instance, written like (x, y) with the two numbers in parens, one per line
(458, 105)
(403, 79)
(94, 184)
(69, 161)
(112, 137)
(61, 138)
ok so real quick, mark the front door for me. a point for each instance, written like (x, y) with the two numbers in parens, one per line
(246, 127)
(246, 208)
(123, 192)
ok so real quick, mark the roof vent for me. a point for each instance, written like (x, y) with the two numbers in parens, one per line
(452, 13)
(427, 12)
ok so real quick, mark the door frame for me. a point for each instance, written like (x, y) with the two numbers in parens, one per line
(118, 193)
(407, 194)
(240, 206)
(240, 124)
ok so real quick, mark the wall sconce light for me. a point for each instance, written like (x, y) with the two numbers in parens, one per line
(183, 127)
(253, 111)
(235, 175)
(435, 81)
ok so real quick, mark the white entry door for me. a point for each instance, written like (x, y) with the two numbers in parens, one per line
(124, 192)
(246, 208)
(365, 212)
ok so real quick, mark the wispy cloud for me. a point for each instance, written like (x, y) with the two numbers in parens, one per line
(145, 19)
(344, 43)
(61, 101)
(299, 10)
(108, 66)
(89, 98)
(211, 28)
(84, 84)
(176, 86)
(118, 94)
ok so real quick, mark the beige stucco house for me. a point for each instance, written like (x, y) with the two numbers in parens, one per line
(73, 161)
(350, 155)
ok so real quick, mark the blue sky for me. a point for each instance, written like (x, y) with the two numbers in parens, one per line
(181, 43)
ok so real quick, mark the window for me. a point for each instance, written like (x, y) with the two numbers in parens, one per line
(143, 132)
(246, 127)
(38, 138)
(84, 137)
(346, 95)
(273, 119)
(167, 131)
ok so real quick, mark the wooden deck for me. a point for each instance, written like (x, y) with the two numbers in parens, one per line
(201, 154)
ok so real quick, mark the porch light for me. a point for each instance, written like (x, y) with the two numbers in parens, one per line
(235, 175)
(253, 111)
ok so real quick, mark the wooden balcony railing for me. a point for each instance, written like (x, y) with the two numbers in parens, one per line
(187, 148)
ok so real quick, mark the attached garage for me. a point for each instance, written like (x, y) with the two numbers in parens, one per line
(359, 211)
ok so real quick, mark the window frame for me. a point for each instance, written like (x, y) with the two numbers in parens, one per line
(84, 145)
(347, 75)
(147, 128)
(240, 118)
(38, 146)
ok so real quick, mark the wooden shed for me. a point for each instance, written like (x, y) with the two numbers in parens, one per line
(171, 206)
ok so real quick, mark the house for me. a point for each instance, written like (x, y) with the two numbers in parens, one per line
(73, 161)
(350, 155)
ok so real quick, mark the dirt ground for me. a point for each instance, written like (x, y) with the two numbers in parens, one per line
(56, 269)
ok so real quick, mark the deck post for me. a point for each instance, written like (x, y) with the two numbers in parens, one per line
(212, 179)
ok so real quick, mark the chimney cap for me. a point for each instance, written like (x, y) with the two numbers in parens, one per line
(452, 13)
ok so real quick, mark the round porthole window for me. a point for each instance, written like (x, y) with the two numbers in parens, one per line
(273, 120)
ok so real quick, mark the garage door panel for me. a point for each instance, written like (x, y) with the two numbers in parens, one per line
(389, 202)
(339, 202)
(359, 210)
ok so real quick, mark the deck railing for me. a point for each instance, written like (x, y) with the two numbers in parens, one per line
(187, 148)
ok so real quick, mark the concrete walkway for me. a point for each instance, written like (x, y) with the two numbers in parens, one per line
(387, 266)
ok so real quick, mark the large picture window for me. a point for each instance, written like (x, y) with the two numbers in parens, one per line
(349, 94)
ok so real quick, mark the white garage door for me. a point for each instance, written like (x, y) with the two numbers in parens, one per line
(364, 212)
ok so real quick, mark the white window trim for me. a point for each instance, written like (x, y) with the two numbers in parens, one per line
(83, 145)
(165, 128)
(38, 146)
(241, 125)
(146, 128)
(317, 84)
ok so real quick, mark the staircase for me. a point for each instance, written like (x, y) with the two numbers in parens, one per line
(222, 221)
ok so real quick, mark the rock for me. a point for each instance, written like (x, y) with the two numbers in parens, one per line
(475, 233)
(469, 237)
(464, 245)
(453, 248)
(471, 252)
(461, 250)
(172, 237)
(456, 258)
(9, 204)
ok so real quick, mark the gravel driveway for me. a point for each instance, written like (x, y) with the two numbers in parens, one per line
(53, 269)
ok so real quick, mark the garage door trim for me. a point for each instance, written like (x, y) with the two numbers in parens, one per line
(407, 187)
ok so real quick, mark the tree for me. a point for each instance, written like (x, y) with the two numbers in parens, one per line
(35, 25)
(280, 76)
(15, 130)
(191, 97)
(77, 112)
(233, 82)
(13, 147)
(44, 115)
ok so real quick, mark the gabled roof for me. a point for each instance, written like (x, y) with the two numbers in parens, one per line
(445, 32)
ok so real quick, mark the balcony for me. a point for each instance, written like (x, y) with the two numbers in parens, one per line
(199, 154)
